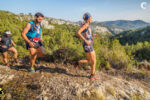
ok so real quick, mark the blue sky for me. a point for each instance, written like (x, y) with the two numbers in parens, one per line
(73, 10)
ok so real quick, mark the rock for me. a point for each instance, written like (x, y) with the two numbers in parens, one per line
(86, 84)
(43, 92)
(77, 92)
(111, 90)
(147, 96)
(110, 97)
(86, 67)
(42, 98)
(5, 78)
(86, 93)
(97, 94)
(141, 91)
(47, 25)
(8, 96)
(102, 30)
(45, 98)
(123, 95)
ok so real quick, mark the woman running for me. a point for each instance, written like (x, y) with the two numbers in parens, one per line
(7, 44)
(85, 34)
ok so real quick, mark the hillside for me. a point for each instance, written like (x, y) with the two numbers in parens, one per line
(127, 24)
(113, 30)
(134, 36)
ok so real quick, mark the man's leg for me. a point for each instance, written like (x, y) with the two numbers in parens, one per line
(33, 53)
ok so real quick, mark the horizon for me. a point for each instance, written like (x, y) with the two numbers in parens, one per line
(101, 10)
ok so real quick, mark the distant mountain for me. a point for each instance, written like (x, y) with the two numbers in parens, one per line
(112, 29)
(127, 24)
(134, 36)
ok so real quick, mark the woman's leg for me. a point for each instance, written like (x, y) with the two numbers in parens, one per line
(85, 60)
(15, 53)
(93, 66)
(93, 62)
(5, 57)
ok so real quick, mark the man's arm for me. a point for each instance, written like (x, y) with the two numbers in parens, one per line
(41, 34)
(25, 31)
(41, 37)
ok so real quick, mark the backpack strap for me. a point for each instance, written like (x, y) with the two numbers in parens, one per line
(33, 26)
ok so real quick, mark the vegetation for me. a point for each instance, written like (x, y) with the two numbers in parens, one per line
(63, 45)
(134, 36)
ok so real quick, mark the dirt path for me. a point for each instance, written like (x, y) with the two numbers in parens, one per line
(63, 82)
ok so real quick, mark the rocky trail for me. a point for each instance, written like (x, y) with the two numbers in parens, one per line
(62, 82)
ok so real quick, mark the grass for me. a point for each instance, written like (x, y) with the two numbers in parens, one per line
(97, 95)
(111, 90)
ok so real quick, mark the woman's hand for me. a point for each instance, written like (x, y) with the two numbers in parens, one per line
(95, 35)
(88, 42)
(14, 45)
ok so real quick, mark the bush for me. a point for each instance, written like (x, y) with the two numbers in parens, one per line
(114, 56)
(140, 51)
(66, 55)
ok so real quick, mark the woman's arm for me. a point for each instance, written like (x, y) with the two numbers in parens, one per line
(81, 36)
(80, 31)
(13, 43)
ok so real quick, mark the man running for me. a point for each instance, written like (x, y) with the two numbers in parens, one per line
(5, 46)
(32, 34)
(85, 34)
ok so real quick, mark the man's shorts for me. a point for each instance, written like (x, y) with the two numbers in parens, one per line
(36, 44)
